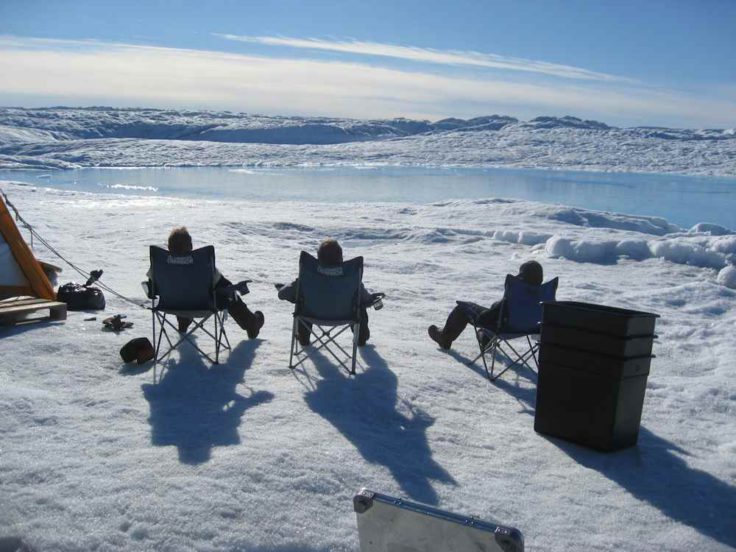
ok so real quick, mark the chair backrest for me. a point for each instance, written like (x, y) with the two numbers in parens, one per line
(329, 293)
(184, 282)
(523, 304)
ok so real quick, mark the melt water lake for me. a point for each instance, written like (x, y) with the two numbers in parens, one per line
(683, 200)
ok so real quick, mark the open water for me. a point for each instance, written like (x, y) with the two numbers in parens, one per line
(683, 200)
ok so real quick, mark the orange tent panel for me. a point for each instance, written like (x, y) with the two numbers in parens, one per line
(38, 284)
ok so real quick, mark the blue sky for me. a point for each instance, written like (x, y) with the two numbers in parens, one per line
(627, 63)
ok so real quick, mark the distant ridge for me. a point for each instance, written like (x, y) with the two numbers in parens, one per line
(69, 123)
(66, 137)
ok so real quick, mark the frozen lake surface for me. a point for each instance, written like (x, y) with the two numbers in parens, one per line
(682, 200)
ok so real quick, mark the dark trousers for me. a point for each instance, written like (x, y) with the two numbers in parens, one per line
(304, 331)
(470, 313)
(227, 299)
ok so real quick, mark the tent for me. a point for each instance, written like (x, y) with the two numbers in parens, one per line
(20, 272)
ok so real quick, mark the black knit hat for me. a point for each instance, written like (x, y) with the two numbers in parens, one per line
(531, 272)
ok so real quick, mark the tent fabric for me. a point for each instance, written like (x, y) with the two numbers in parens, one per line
(20, 272)
(10, 272)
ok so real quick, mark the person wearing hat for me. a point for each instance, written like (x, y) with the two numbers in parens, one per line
(329, 256)
(180, 243)
(471, 313)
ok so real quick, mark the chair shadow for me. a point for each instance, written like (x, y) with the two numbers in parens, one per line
(655, 472)
(510, 382)
(196, 407)
(364, 409)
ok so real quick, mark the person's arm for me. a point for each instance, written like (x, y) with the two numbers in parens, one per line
(365, 297)
(288, 292)
(148, 284)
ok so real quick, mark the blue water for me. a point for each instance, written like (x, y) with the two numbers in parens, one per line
(683, 200)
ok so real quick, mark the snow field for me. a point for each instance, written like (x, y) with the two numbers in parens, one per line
(249, 456)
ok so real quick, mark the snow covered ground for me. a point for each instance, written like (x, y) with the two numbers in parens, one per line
(249, 456)
(106, 137)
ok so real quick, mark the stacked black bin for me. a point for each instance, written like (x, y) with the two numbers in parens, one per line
(593, 367)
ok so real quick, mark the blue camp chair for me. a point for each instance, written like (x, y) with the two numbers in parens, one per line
(520, 317)
(184, 285)
(329, 300)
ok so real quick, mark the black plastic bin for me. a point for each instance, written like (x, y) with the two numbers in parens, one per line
(596, 342)
(593, 368)
(607, 320)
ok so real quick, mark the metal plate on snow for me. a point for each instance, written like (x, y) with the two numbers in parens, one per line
(387, 524)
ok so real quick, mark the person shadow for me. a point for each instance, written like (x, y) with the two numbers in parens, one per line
(195, 407)
(654, 471)
(366, 409)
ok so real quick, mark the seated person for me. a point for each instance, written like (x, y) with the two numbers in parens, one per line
(180, 243)
(329, 255)
(471, 313)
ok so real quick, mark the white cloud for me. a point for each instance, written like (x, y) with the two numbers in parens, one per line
(428, 55)
(46, 72)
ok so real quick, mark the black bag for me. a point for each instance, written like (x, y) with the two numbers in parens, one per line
(78, 297)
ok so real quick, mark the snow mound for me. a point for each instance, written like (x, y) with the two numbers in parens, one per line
(675, 250)
(595, 219)
(709, 228)
(727, 277)
(684, 252)
(583, 251)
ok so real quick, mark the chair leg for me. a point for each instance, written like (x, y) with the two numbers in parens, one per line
(325, 339)
(160, 319)
(489, 348)
(493, 359)
(155, 344)
(356, 330)
(294, 329)
(533, 347)
(217, 340)
(223, 333)
(161, 331)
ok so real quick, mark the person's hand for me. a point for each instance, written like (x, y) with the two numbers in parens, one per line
(242, 287)
(377, 300)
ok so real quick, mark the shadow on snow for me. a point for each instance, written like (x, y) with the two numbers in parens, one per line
(655, 471)
(196, 407)
(364, 409)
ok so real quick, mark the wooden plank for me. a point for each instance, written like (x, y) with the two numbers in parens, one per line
(16, 315)
(21, 301)
(19, 309)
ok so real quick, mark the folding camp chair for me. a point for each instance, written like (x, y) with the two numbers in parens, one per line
(184, 285)
(328, 299)
(520, 316)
